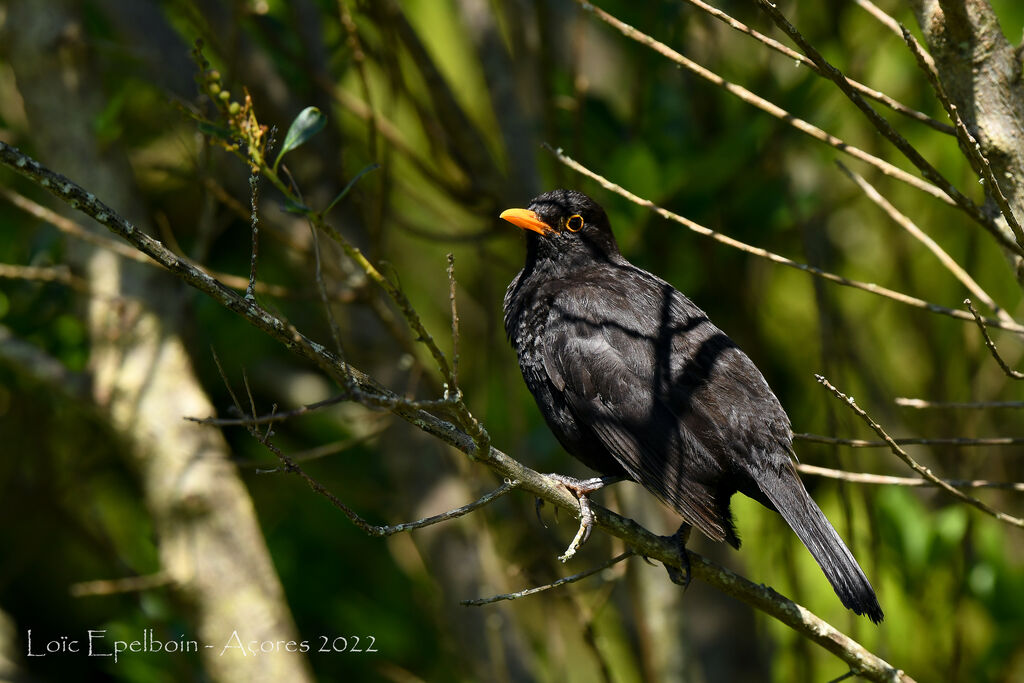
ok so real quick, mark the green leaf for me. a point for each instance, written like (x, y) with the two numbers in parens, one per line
(351, 183)
(292, 206)
(308, 123)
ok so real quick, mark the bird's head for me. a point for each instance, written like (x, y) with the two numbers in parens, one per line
(565, 225)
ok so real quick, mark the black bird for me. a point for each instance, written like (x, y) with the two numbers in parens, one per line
(637, 383)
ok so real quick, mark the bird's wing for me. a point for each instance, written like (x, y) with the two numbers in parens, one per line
(607, 373)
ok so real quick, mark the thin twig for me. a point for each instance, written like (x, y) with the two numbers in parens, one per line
(275, 417)
(368, 399)
(775, 258)
(979, 162)
(289, 464)
(921, 403)
(950, 441)
(477, 602)
(322, 289)
(455, 323)
(58, 273)
(960, 200)
(394, 291)
(315, 453)
(254, 219)
(882, 479)
(1010, 372)
(888, 21)
(335, 447)
(73, 229)
(128, 584)
(70, 227)
(359, 60)
(796, 56)
(913, 464)
(764, 105)
(917, 233)
(505, 487)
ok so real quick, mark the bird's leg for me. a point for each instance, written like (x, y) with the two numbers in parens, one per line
(582, 488)
(680, 537)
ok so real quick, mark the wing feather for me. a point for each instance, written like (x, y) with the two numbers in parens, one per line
(672, 400)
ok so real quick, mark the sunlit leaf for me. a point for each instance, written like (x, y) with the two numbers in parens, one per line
(308, 123)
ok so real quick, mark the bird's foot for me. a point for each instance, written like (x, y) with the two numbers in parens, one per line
(581, 488)
(680, 576)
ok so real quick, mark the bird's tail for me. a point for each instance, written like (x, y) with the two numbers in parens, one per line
(787, 493)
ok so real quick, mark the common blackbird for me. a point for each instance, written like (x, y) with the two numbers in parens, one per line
(637, 383)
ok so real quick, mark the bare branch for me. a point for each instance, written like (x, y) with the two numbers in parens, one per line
(775, 258)
(554, 584)
(951, 441)
(960, 200)
(59, 273)
(73, 229)
(505, 487)
(796, 56)
(1011, 373)
(393, 291)
(913, 464)
(917, 233)
(128, 584)
(275, 416)
(455, 323)
(764, 105)
(889, 22)
(881, 479)
(359, 60)
(921, 403)
(323, 450)
(254, 218)
(978, 160)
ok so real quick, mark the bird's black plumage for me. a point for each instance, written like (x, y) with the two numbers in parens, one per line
(634, 380)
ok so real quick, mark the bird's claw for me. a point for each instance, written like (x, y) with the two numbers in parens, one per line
(583, 533)
(681, 575)
(581, 488)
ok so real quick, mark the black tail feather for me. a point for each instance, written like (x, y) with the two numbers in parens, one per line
(787, 493)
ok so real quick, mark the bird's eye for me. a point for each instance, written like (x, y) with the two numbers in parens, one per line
(574, 223)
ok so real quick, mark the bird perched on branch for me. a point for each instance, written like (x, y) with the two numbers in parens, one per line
(637, 383)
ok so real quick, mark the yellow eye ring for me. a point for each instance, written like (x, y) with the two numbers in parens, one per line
(574, 223)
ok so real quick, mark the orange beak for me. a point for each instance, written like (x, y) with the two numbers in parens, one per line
(527, 220)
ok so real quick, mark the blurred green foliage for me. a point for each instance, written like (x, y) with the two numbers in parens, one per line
(460, 95)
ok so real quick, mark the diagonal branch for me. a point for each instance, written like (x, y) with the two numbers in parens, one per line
(916, 466)
(764, 105)
(554, 584)
(978, 160)
(775, 258)
(882, 479)
(773, 44)
(1007, 370)
(960, 200)
(889, 22)
(917, 233)
(920, 403)
(940, 441)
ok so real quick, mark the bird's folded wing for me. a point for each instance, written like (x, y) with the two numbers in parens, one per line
(607, 391)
